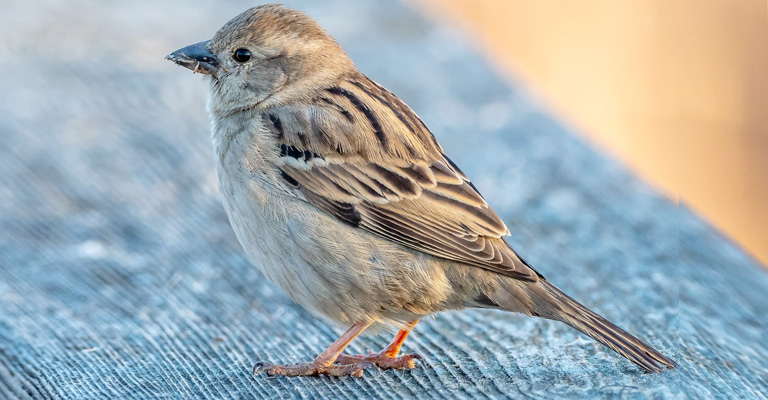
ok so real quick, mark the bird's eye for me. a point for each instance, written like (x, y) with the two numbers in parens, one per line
(242, 55)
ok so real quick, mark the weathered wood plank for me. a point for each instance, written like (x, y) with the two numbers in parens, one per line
(120, 276)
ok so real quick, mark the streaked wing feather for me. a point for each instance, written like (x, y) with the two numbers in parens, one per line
(364, 157)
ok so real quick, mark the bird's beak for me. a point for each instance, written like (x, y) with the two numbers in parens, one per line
(196, 57)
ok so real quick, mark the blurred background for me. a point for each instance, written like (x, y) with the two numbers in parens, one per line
(677, 90)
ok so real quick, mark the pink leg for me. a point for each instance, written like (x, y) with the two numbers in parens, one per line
(324, 363)
(387, 358)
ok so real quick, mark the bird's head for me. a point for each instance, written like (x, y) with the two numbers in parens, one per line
(267, 55)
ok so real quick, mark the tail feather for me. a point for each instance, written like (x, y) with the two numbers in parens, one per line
(558, 306)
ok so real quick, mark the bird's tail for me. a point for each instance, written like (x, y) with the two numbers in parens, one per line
(551, 303)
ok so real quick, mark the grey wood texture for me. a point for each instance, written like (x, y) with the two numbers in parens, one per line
(121, 278)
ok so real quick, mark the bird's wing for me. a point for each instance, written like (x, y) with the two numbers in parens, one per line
(362, 155)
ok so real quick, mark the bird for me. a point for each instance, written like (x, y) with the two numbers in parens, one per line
(342, 196)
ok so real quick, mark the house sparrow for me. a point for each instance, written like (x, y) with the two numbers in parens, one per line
(342, 196)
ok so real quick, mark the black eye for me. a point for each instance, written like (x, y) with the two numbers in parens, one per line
(242, 55)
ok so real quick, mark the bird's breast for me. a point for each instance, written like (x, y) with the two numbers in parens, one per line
(329, 267)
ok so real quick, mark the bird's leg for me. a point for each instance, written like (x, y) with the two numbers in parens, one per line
(324, 363)
(387, 358)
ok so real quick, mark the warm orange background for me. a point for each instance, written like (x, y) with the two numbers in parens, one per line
(678, 90)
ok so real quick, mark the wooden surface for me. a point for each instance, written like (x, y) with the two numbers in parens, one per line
(121, 278)
(675, 89)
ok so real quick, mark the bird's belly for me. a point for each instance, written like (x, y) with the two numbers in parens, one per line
(328, 267)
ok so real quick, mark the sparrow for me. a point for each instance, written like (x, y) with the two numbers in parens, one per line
(344, 198)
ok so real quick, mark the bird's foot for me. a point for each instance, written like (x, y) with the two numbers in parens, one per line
(382, 360)
(312, 369)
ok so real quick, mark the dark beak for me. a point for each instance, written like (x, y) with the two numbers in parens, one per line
(196, 57)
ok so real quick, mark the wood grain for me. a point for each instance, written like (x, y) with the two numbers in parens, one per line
(121, 278)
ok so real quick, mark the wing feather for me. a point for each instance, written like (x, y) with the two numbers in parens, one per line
(360, 154)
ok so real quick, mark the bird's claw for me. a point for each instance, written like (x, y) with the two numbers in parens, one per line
(382, 360)
(312, 369)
